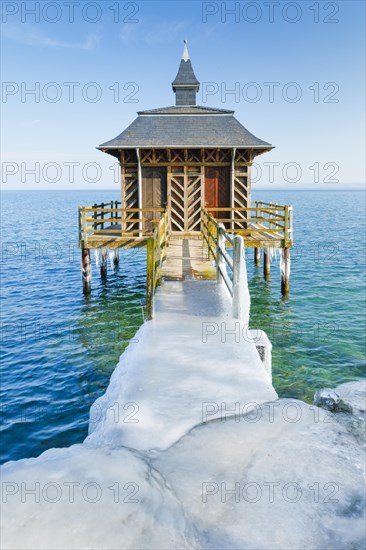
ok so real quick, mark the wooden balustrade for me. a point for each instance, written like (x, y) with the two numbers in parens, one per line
(156, 254)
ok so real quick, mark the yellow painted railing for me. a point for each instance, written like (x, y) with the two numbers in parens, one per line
(107, 222)
(264, 221)
(106, 225)
(156, 254)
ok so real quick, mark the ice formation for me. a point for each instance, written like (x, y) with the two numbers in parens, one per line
(199, 454)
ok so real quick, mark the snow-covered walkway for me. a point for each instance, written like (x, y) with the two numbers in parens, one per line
(192, 363)
(190, 448)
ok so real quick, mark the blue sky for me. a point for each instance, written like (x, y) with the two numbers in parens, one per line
(310, 55)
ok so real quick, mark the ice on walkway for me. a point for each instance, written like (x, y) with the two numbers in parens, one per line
(233, 467)
(192, 362)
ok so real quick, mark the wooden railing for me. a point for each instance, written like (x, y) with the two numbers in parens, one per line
(216, 236)
(106, 225)
(269, 220)
(108, 222)
(156, 254)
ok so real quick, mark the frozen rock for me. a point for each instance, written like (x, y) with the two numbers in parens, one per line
(353, 394)
(290, 478)
(330, 400)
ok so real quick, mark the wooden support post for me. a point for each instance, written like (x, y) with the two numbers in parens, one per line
(150, 283)
(266, 263)
(116, 257)
(285, 271)
(139, 191)
(103, 262)
(86, 270)
(232, 186)
(257, 257)
(102, 215)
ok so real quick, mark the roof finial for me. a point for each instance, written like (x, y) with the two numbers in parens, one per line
(185, 55)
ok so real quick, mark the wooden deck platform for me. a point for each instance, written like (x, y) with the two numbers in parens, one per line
(176, 255)
(187, 259)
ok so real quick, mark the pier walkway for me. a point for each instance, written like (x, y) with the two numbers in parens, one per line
(195, 359)
(187, 258)
(192, 363)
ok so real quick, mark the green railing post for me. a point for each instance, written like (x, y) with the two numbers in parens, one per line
(150, 278)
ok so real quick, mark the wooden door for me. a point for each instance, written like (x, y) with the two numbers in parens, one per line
(154, 191)
(185, 198)
(217, 189)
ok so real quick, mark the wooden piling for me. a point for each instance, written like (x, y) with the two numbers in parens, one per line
(116, 257)
(257, 257)
(86, 270)
(285, 271)
(266, 263)
(103, 262)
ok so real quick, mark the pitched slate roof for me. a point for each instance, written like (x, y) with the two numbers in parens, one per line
(185, 125)
(175, 127)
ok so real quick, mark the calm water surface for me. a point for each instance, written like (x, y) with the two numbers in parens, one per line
(59, 348)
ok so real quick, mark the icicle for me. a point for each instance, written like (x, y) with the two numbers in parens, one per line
(111, 255)
(272, 253)
(282, 263)
(97, 256)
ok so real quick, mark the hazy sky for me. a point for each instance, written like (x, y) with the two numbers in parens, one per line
(295, 71)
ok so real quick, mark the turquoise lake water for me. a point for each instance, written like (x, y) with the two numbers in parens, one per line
(60, 348)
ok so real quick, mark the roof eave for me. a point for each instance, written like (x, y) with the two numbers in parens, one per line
(104, 148)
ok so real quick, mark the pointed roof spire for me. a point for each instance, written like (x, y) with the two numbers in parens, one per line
(185, 55)
(185, 85)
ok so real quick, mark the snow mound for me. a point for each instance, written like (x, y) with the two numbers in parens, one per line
(80, 498)
(290, 478)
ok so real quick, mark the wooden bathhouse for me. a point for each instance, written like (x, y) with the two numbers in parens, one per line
(188, 168)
